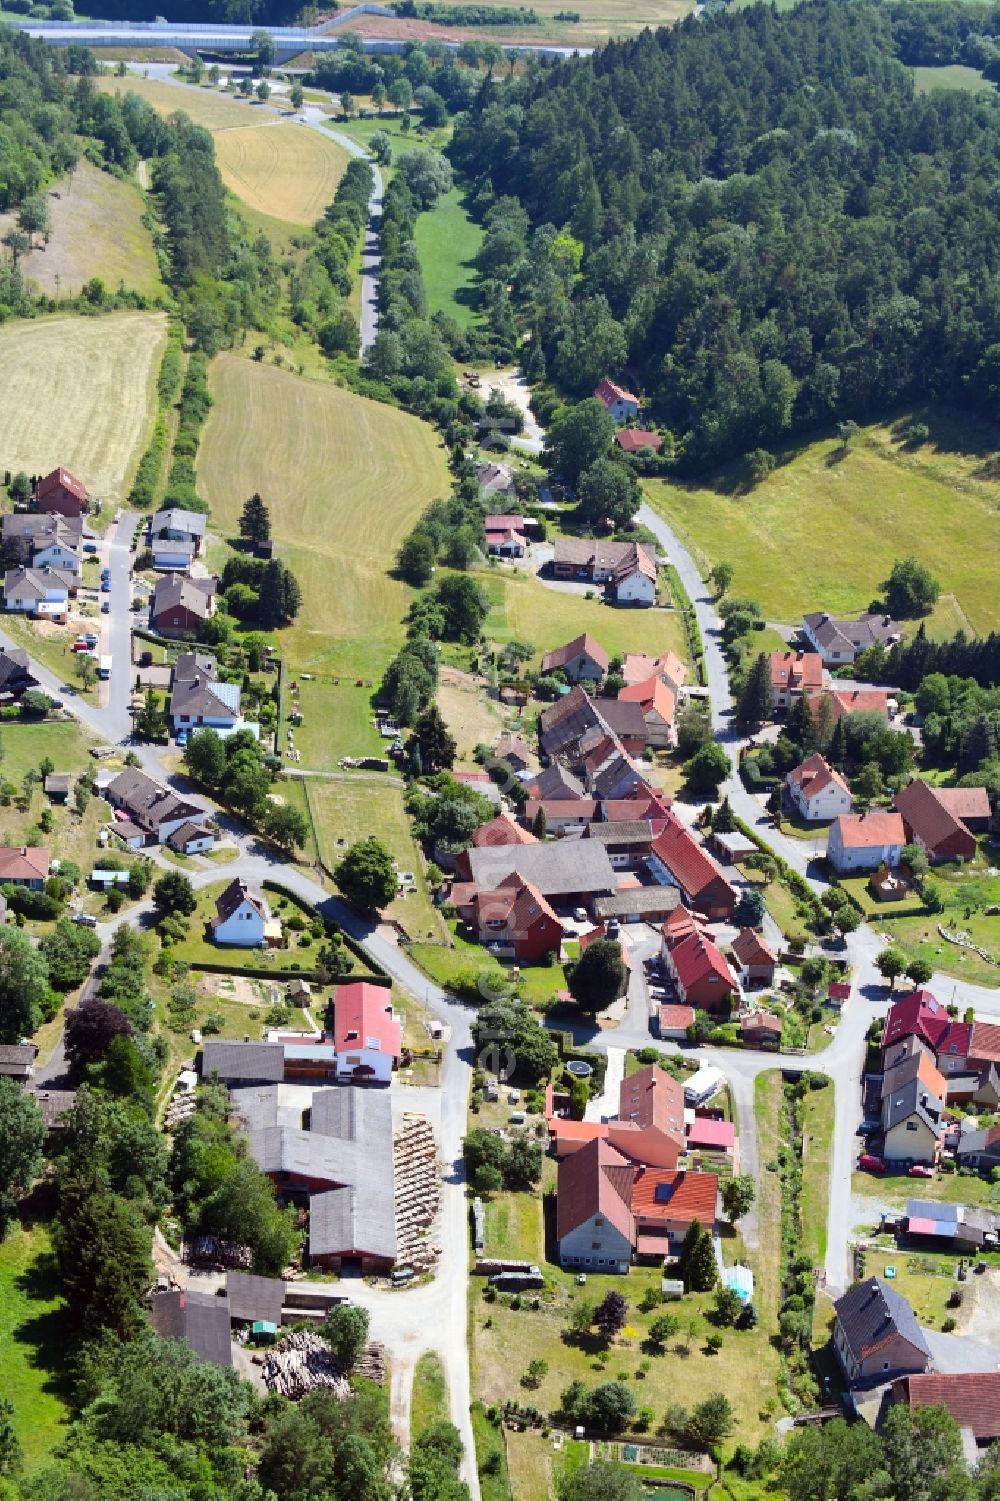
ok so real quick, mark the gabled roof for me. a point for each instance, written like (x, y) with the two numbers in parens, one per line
(796, 670)
(665, 1194)
(912, 1098)
(704, 1132)
(181, 591)
(634, 831)
(871, 1314)
(637, 666)
(61, 479)
(867, 831)
(609, 391)
(972, 1398)
(583, 809)
(148, 804)
(594, 1180)
(638, 559)
(516, 903)
(650, 1097)
(626, 719)
(556, 784)
(635, 439)
(499, 831)
(749, 948)
(927, 813)
(814, 775)
(200, 1318)
(584, 645)
(264, 1061)
(859, 701)
(690, 864)
(653, 695)
(696, 957)
(28, 863)
(232, 899)
(918, 1014)
(680, 924)
(512, 747)
(363, 1019)
(867, 630)
(985, 1041)
(966, 802)
(918, 1066)
(557, 868)
(175, 519)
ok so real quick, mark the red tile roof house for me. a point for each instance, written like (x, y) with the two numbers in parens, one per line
(506, 536)
(759, 1029)
(701, 974)
(658, 703)
(865, 841)
(649, 1127)
(794, 673)
(366, 1034)
(754, 960)
(27, 866)
(932, 818)
(860, 701)
(637, 667)
(594, 1224)
(634, 579)
(516, 921)
(705, 1134)
(972, 1398)
(581, 658)
(679, 860)
(876, 1335)
(638, 440)
(664, 1206)
(818, 791)
(620, 404)
(501, 830)
(61, 493)
(673, 1022)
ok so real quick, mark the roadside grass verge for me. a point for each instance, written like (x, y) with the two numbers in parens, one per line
(817, 1151)
(430, 1394)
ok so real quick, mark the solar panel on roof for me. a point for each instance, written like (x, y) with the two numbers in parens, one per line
(663, 1192)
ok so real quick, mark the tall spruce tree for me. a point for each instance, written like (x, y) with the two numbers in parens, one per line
(255, 520)
(756, 702)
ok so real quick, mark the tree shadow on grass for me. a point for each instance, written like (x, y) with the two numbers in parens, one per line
(46, 1334)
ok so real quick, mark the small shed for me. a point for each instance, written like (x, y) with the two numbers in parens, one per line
(103, 880)
(263, 1331)
(58, 786)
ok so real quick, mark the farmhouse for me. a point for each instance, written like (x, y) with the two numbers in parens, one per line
(638, 440)
(755, 962)
(198, 700)
(155, 810)
(366, 1034)
(620, 404)
(592, 559)
(563, 727)
(876, 1336)
(627, 842)
(637, 667)
(634, 903)
(27, 866)
(972, 1398)
(515, 921)
(242, 917)
(817, 790)
(181, 605)
(679, 860)
(62, 493)
(666, 1203)
(864, 841)
(627, 723)
(495, 479)
(794, 673)
(556, 783)
(838, 642)
(562, 815)
(511, 748)
(658, 702)
(40, 592)
(567, 873)
(580, 659)
(937, 818)
(594, 1223)
(634, 579)
(649, 1126)
(700, 973)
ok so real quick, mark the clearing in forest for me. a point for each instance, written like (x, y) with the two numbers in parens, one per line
(79, 392)
(345, 479)
(823, 530)
(97, 230)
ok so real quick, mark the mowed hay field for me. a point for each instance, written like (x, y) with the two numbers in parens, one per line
(345, 479)
(284, 171)
(97, 230)
(822, 531)
(79, 392)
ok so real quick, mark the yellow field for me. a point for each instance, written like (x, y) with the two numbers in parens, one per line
(287, 172)
(97, 230)
(284, 170)
(345, 479)
(79, 392)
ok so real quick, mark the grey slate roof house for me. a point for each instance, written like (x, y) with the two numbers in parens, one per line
(243, 1062)
(568, 872)
(200, 1318)
(838, 642)
(876, 1335)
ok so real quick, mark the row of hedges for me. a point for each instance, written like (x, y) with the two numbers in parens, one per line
(689, 619)
(377, 974)
(148, 475)
(796, 884)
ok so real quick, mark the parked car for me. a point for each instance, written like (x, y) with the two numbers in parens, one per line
(91, 638)
(182, 737)
(918, 1170)
(90, 547)
(579, 914)
(84, 919)
(105, 586)
(106, 607)
(871, 1164)
(81, 645)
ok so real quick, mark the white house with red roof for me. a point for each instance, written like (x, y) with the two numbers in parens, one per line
(366, 1034)
(620, 404)
(818, 791)
(583, 657)
(864, 841)
(634, 579)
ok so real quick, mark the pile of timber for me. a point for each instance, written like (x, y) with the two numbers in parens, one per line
(417, 1192)
(299, 1363)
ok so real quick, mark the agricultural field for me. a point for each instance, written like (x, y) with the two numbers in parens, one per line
(348, 808)
(33, 1339)
(599, 20)
(79, 392)
(97, 230)
(345, 479)
(278, 171)
(448, 242)
(881, 501)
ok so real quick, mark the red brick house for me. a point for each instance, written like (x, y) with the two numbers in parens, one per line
(755, 960)
(794, 673)
(701, 974)
(62, 494)
(687, 864)
(940, 819)
(515, 916)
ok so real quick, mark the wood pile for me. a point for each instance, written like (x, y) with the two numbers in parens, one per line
(208, 1250)
(299, 1363)
(371, 1364)
(181, 1108)
(417, 1192)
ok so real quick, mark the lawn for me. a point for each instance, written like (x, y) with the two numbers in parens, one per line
(857, 887)
(932, 503)
(514, 1226)
(79, 392)
(197, 949)
(33, 1340)
(817, 1148)
(951, 76)
(968, 892)
(448, 241)
(599, 20)
(781, 902)
(946, 1188)
(524, 609)
(345, 478)
(471, 716)
(925, 1281)
(97, 230)
(348, 808)
(430, 1394)
(336, 721)
(452, 966)
(209, 107)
